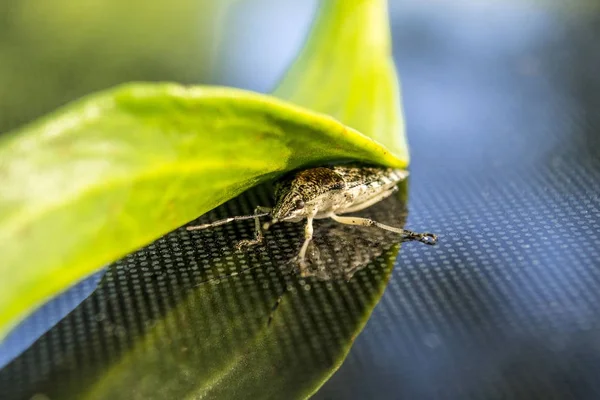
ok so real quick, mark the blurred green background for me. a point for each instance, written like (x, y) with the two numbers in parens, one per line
(54, 51)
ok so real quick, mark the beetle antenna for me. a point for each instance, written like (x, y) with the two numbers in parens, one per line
(226, 221)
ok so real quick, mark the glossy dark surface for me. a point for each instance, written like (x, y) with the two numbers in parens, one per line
(188, 316)
(502, 103)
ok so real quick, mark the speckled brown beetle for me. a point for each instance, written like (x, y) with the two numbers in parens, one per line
(327, 192)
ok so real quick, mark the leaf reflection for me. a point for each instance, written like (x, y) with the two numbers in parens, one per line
(161, 326)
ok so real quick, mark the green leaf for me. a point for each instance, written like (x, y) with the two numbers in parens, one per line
(346, 70)
(109, 174)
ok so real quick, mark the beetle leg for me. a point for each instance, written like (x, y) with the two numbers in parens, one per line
(258, 233)
(427, 238)
(308, 235)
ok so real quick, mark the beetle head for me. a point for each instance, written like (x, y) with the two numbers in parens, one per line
(289, 207)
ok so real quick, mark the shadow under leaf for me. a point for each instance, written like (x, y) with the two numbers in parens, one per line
(168, 321)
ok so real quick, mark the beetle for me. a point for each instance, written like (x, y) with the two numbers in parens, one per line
(326, 192)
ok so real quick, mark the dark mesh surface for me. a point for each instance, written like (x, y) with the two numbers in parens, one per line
(502, 108)
(502, 112)
(158, 325)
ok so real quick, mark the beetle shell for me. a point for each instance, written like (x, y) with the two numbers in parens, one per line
(321, 191)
